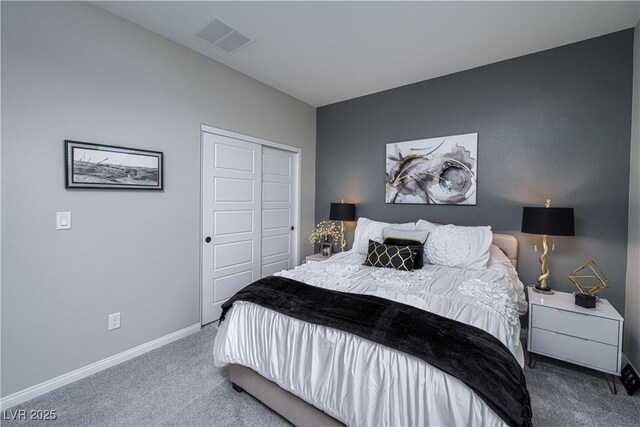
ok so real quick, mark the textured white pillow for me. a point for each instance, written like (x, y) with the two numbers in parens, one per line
(425, 225)
(368, 229)
(457, 246)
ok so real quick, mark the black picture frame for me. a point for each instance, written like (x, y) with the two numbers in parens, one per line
(326, 249)
(111, 167)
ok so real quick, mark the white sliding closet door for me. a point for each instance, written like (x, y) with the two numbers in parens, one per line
(231, 219)
(278, 194)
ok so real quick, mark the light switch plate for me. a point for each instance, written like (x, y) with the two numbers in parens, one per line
(63, 220)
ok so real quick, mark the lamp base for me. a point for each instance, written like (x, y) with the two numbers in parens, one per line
(546, 291)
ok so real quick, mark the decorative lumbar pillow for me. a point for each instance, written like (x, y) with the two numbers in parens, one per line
(399, 233)
(415, 246)
(457, 246)
(367, 229)
(381, 255)
(414, 239)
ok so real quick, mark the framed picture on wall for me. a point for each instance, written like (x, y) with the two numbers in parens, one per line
(434, 171)
(111, 167)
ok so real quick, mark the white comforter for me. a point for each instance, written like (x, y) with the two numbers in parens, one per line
(360, 382)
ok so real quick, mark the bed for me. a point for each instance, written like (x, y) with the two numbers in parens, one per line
(316, 375)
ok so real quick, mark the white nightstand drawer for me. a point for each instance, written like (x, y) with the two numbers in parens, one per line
(577, 324)
(581, 351)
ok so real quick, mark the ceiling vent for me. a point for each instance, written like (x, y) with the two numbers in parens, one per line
(217, 33)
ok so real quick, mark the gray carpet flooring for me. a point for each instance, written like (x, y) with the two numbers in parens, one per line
(179, 385)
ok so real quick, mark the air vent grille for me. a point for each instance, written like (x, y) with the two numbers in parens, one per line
(234, 41)
(213, 31)
(217, 33)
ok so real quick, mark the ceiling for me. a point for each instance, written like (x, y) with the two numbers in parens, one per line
(326, 52)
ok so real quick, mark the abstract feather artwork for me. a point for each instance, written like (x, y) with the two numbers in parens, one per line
(434, 171)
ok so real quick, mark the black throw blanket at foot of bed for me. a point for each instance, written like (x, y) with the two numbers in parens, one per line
(468, 353)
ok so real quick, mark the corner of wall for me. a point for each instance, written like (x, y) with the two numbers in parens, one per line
(632, 311)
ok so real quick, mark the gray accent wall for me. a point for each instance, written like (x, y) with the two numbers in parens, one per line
(554, 124)
(75, 71)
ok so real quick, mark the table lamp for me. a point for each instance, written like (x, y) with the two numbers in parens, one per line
(547, 221)
(342, 212)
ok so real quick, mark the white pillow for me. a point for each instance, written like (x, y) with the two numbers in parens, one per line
(368, 229)
(425, 225)
(460, 247)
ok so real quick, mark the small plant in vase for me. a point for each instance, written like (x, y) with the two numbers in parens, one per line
(322, 233)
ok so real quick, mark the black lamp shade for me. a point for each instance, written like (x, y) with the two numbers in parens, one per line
(549, 221)
(342, 212)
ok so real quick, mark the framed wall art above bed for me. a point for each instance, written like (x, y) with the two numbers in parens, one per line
(434, 171)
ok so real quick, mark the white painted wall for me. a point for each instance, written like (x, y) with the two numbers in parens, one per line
(632, 307)
(75, 71)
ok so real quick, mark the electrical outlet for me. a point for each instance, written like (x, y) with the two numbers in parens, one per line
(114, 321)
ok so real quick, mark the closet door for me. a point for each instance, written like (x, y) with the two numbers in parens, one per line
(231, 219)
(278, 193)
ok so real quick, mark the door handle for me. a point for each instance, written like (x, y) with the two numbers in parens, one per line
(207, 239)
(292, 228)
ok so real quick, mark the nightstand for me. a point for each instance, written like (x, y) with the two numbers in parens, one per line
(316, 258)
(590, 337)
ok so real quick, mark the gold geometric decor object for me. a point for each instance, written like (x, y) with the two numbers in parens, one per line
(589, 278)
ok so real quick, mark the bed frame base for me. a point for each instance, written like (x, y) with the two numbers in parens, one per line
(295, 410)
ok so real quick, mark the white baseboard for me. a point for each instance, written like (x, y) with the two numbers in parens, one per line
(68, 378)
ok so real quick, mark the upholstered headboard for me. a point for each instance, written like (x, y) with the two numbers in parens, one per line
(509, 245)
